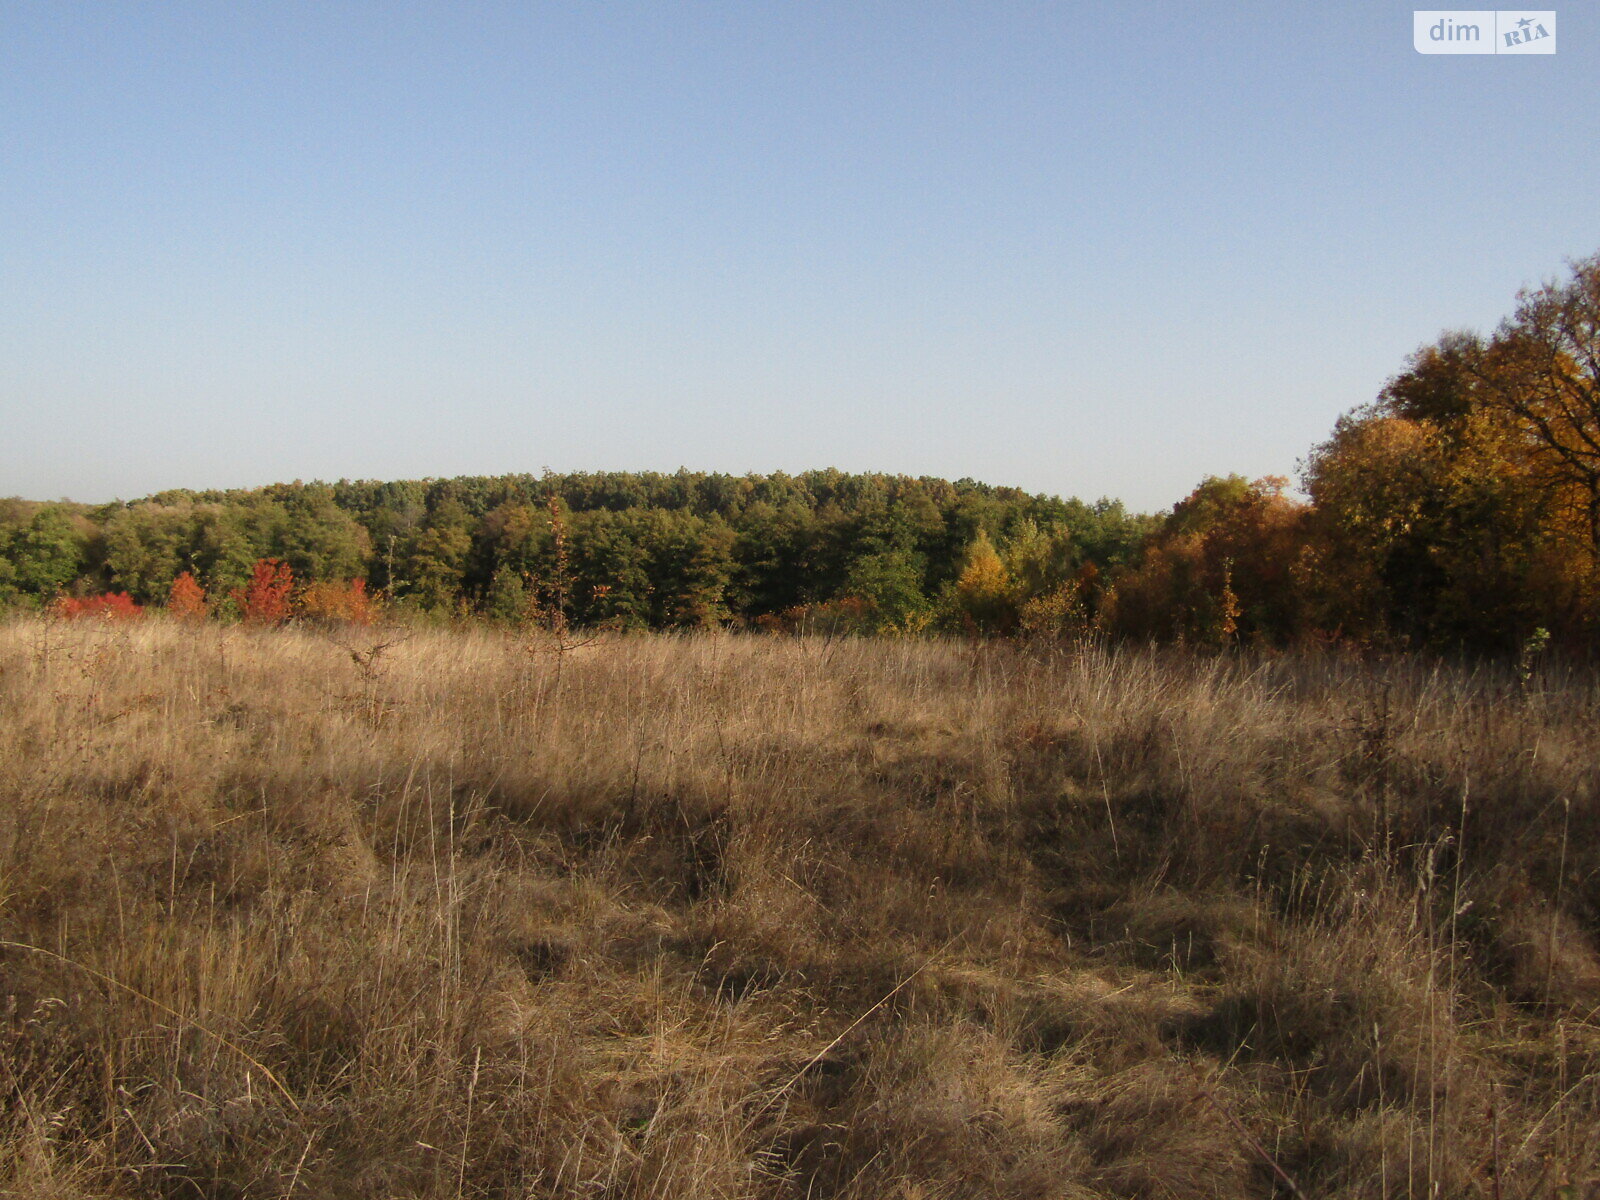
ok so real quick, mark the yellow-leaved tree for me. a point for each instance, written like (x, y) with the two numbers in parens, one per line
(984, 596)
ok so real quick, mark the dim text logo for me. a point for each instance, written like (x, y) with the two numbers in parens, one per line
(1483, 31)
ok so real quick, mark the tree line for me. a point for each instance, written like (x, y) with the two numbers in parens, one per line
(1460, 509)
(630, 550)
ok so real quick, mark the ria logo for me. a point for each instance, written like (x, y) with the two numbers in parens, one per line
(1528, 31)
(1483, 31)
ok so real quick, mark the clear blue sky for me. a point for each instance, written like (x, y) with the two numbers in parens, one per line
(1081, 249)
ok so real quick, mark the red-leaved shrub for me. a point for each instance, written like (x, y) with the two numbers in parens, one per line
(265, 599)
(112, 606)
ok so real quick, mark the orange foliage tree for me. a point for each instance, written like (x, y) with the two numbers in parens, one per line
(1220, 567)
(1434, 524)
(186, 599)
(347, 602)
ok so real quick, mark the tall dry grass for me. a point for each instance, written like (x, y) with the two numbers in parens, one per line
(716, 916)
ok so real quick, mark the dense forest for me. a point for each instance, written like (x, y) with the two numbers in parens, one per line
(634, 550)
(1459, 509)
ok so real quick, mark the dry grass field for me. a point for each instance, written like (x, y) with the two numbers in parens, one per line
(720, 916)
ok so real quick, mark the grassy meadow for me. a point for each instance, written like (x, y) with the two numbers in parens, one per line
(455, 913)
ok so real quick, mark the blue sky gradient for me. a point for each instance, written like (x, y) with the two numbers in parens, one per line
(1083, 250)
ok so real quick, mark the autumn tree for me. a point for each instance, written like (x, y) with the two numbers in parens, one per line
(985, 599)
(338, 602)
(1542, 371)
(1220, 567)
(1428, 533)
(1463, 507)
(1039, 559)
(266, 599)
(186, 599)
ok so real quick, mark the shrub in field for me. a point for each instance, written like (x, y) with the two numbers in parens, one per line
(265, 600)
(348, 601)
(112, 606)
(186, 599)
